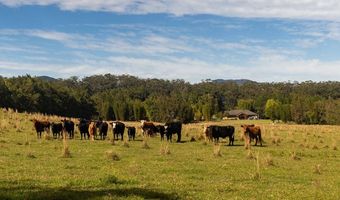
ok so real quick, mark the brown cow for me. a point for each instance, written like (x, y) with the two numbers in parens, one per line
(92, 130)
(252, 132)
(148, 128)
(41, 126)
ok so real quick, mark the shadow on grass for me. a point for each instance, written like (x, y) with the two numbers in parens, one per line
(27, 190)
(63, 193)
(235, 145)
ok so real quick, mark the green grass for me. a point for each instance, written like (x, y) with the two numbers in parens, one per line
(36, 169)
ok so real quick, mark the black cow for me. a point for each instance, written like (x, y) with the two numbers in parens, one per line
(84, 129)
(161, 131)
(68, 127)
(118, 128)
(173, 128)
(57, 129)
(215, 132)
(103, 128)
(131, 132)
(41, 126)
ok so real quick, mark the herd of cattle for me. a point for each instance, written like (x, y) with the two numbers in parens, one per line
(88, 130)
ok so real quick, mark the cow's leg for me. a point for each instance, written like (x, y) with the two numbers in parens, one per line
(122, 136)
(260, 138)
(179, 137)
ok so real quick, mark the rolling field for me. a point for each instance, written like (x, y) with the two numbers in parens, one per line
(295, 162)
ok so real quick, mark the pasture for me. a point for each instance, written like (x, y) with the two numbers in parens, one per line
(295, 162)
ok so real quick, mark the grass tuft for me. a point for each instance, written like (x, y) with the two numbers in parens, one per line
(165, 150)
(317, 169)
(250, 154)
(257, 174)
(126, 144)
(66, 151)
(112, 155)
(47, 136)
(294, 156)
(112, 142)
(30, 155)
(145, 144)
(269, 160)
(111, 179)
(217, 150)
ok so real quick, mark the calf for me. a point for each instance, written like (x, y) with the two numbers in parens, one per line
(41, 126)
(84, 129)
(251, 132)
(57, 129)
(215, 132)
(131, 132)
(69, 128)
(118, 128)
(103, 128)
(171, 128)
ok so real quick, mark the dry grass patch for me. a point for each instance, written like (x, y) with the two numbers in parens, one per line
(30, 155)
(250, 154)
(66, 151)
(126, 144)
(294, 156)
(145, 144)
(217, 150)
(257, 174)
(317, 169)
(165, 150)
(112, 142)
(268, 160)
(111, 155)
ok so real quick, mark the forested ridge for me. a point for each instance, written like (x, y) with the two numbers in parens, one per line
(126, 97)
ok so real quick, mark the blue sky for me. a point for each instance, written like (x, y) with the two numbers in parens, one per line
(194, 41)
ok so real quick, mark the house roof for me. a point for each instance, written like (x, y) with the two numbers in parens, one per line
(239, 112)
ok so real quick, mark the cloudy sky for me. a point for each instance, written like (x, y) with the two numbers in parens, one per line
(194, 40)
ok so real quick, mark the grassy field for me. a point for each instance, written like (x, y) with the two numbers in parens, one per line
(296, 162)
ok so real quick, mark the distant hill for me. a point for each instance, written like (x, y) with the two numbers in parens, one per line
(237, 81)
(47, 78)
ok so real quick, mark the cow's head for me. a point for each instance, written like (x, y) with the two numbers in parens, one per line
(114, 125)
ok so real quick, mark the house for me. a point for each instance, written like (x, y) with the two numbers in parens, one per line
(242, 114)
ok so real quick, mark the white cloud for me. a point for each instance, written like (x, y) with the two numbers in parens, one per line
(267, 67)
(293, 9)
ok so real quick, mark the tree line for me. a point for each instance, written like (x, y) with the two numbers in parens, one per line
(126, 97)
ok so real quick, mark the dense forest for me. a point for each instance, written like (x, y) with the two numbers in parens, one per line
(127, 97)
